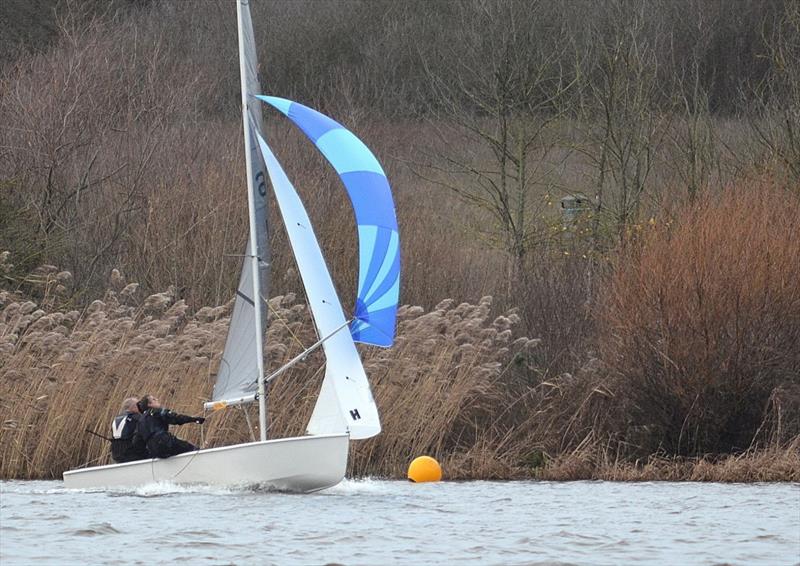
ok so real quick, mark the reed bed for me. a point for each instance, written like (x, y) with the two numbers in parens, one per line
(460, 384)
(769, 465)
(694, 375)
(64, 372)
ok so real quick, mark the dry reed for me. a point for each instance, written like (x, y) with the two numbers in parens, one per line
(768, 465)
(64, 372)
(459, 384)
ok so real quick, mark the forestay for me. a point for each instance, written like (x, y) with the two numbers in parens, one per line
(378, 240)
(345, 403)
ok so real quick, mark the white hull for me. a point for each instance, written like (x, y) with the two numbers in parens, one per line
(302, 464)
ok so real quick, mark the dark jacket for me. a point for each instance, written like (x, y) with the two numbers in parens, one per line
(153, 428)
(126, 445)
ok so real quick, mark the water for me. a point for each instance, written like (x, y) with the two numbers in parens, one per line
(391, 522)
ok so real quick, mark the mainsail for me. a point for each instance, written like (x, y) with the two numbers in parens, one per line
(242, 367)
(345, 403)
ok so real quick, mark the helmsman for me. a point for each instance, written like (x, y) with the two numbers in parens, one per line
(153, 428)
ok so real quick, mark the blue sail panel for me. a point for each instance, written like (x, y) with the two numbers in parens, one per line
(347, 153)
(378, 237)
(369, 187)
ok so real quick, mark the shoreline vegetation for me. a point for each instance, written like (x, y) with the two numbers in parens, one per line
(598, 210)
(460, 384)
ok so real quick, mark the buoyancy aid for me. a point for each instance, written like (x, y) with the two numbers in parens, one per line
(126, 446)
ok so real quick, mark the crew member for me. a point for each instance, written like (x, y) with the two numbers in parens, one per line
(153, 428)
(126, 445)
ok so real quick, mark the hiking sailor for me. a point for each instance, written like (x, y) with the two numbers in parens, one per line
(126, 445)
(153, 428)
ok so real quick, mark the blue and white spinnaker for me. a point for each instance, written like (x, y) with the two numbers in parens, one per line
(378, 239)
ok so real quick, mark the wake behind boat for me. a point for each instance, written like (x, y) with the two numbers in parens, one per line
(345, 409)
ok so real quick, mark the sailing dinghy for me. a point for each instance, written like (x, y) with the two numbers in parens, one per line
(345, 409)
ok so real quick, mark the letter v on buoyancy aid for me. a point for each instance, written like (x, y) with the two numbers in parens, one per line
(123, 427)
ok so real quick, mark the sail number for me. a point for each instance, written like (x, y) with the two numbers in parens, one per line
(355, 415)
(262, 186)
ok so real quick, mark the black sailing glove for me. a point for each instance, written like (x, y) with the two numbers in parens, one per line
(182, 419)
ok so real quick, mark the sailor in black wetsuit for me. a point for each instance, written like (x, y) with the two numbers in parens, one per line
(126, 445)
(153, 428)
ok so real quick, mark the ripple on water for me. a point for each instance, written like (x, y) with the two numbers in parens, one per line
(428, 507)
(373, 521)
(203, 534)
(199, 544)
(159, 489)
(94, 530)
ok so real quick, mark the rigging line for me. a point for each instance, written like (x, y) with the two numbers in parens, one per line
(202, 435)
(179, 472)
(306, 384)
(99, 435)
(285, 324)
(305, 353)
(249, 424)
(194, 455)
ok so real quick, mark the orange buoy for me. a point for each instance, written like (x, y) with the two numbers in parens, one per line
(424, 469)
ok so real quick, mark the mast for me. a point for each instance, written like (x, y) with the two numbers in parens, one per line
(254, 258)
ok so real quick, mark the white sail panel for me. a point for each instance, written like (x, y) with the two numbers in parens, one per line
(251, 86)
(242, 359)
(238, 370)
(345, 403)
(249, 62)
(327, 416)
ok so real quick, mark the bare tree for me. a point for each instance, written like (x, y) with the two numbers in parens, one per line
(495, 85)
(693, 137)
(71, 115)
(777, 125)
(624, 127)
